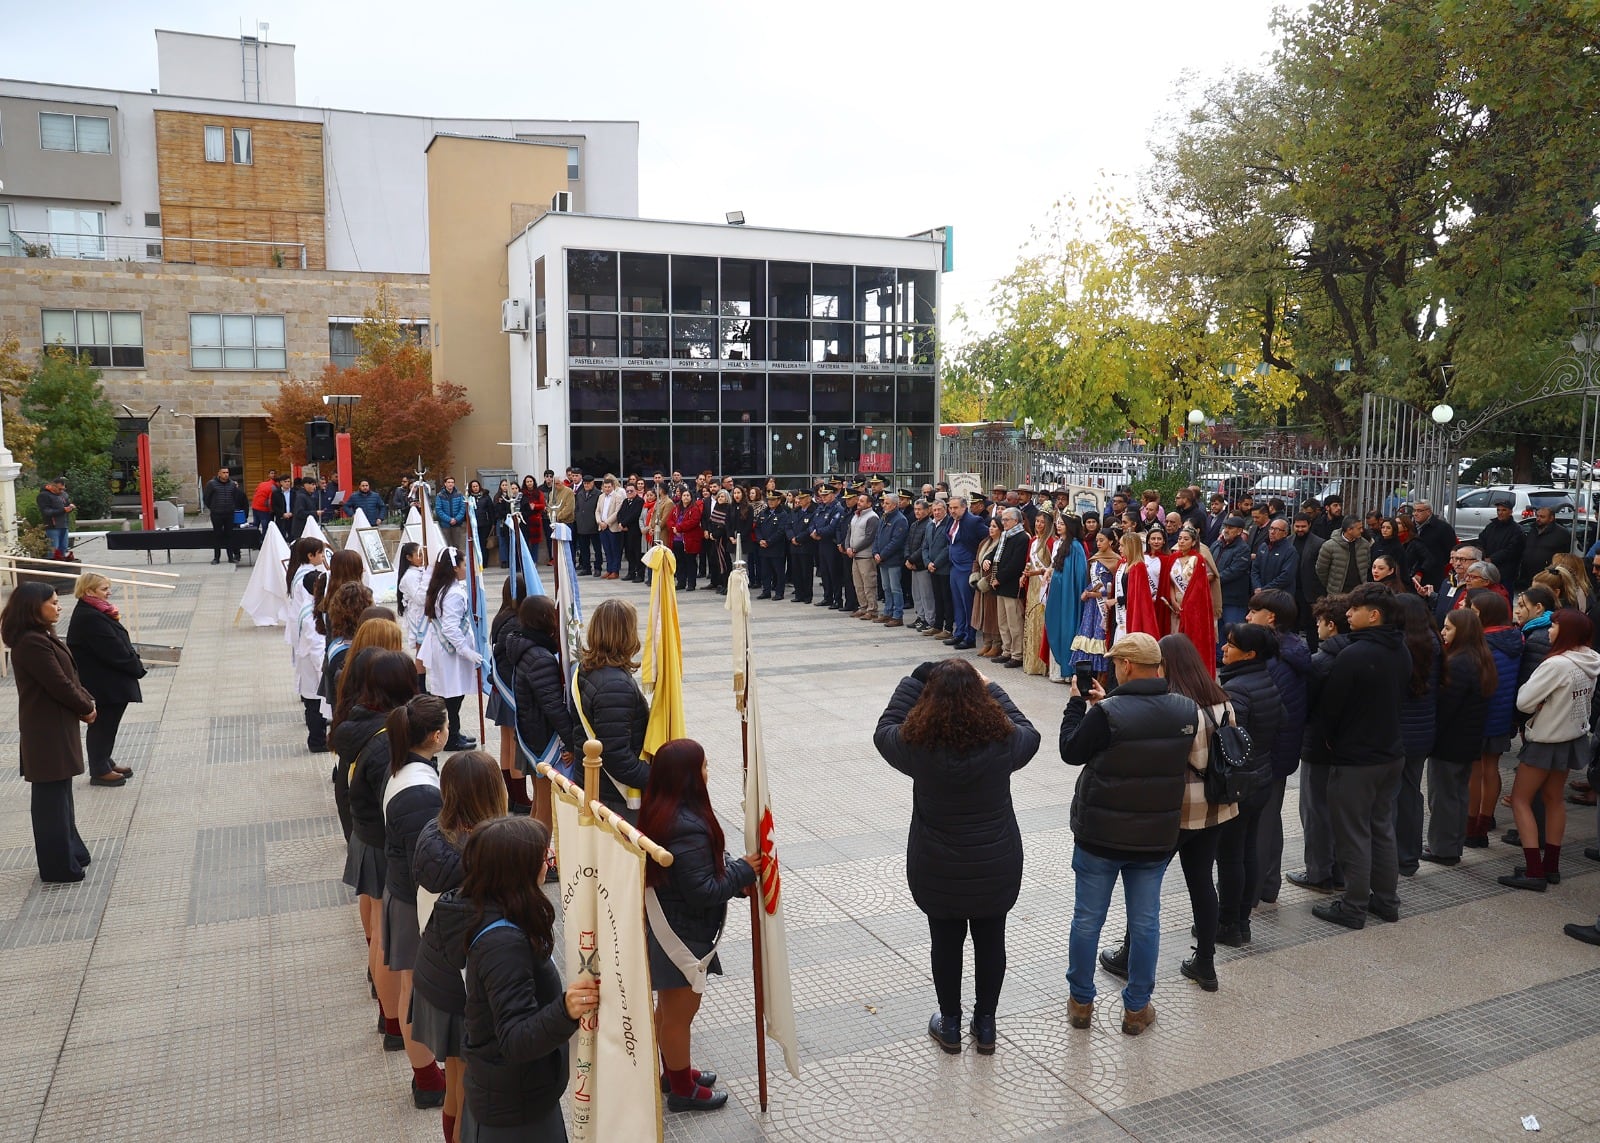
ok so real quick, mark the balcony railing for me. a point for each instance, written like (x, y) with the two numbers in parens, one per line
(129, 248)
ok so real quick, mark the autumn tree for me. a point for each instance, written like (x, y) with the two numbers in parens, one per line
(402, 414)
(20, 433)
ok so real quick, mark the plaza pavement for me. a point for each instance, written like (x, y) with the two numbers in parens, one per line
(206, 981)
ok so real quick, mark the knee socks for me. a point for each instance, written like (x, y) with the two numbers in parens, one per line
(1535, 862)
(686, 1081)
(1552, 859)
(430, 1077)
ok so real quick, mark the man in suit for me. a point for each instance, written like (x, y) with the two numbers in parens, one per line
(967, 530)
(889, 554)
(1435, 539)
(283, 504)
(1007, 562)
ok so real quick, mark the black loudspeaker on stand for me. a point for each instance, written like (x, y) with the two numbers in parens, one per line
(319, 442)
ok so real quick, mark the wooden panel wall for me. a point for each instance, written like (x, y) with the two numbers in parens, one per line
(279, 197)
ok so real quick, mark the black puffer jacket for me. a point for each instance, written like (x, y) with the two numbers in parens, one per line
(502, 627)
(1291, 672)
(408, 811)
(357, 741)
(436, 867)
(517, 1027)
(1358, 710)
(1258, 710)
(618, 713)
(534, 673)
(964, 852)
(1463, 713)
(1419, 713)
(695, 896)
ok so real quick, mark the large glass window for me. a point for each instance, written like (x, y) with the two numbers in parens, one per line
(877, 449)
(694, 285)
(915, 297)
(644, 336)
(76, 233)
(595, 448)
(875, 398)
(837, 449)
(744, 339)
(237, 341)
(918, 344)
(646, 450)
(744, 288)
(832, 341)
(914, 400)
(591, 280)
(877, 344)
(646, 396)
(790, 289)
(789, 454)
(694, 339)
(832, 397)
(695, 448)
(694, 398)
(594, 397)
(874, 294)
(913, 449)
(744, 450)
(790, 396)
(644, 284)
(744, 397)
(109, 339)
(592, 335)
(833, 292)
(791, 340)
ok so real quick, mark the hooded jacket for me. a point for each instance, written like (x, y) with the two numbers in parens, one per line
(403, 818)
(1258, 710)
(358, 743)
(1558, 696)
(1419, 713)
(1358, 712)
(436, 867)
(1505, 644)
(1463, 712)
(534, 674)
(964, 850)
(1290, 670)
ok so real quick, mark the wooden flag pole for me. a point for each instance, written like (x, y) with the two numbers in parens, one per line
(755, 896)
(472, 600)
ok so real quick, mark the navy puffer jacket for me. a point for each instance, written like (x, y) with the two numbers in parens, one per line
(694, 898)
(1505, 644)
(1291, 672)
(1258, 711)
(1418, 714)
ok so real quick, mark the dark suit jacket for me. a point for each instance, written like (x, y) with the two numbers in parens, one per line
(1013, 555)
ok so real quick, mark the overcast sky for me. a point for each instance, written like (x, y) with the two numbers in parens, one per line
(889, 117)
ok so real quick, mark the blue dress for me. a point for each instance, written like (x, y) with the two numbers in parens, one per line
(1089, 645)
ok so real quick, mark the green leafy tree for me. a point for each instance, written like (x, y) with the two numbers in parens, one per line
(76, 426)
(21, 433)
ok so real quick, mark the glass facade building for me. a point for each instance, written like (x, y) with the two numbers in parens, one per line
(749, 367)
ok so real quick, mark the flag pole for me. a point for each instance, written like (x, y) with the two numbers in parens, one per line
(755, 896)
(473, 587)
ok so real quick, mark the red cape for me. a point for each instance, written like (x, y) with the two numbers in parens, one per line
(1141, 609)
(1196, 619)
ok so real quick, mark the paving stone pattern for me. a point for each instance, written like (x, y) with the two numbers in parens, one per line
(206, 980)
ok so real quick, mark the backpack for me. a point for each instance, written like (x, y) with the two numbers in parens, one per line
(1228, 778)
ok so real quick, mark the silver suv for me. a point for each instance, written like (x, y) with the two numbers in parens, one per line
(1475, 508)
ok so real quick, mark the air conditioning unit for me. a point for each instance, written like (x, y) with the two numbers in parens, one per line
(513, 316)
(561, 202)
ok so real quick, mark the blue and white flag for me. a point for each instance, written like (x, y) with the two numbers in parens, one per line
(480, 607)
(524, 566)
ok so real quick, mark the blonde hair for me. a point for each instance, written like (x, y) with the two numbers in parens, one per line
(613, 637)
(1577, 574)
(87, 582)
(1132, 546)
(385, 634)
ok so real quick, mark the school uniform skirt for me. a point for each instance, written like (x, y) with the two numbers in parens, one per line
(550, 1127)
(365, 869)
(1573, 754)
(441, 1031)
(400, 933)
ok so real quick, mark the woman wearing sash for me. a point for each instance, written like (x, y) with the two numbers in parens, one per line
(447, 653)
(1093, 638)
(607, 704)
(686, 904)
(1139, 581)
(1067, 583)
(1036, 578)
(1189, 578)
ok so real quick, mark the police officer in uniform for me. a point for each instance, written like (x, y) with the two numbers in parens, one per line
(876, 493)
(771, 540)
(830, 563)
(848, 602)
(802, 548)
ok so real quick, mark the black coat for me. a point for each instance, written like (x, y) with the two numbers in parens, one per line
(516, 1027)
(1357, 714)
(436, 867)
(964, 851)
(1418, 713)
(1463, 712)
(1258, 710)
(1503, 542)
(1291, 672)
(534, 673)
(108, 666)
(357, 737)
(617, 713)
(694, 898)
(408, 811)
(1541, 547)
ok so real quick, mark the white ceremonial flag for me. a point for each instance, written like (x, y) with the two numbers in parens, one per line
(377, 568)
(759, 834)
(266, 596)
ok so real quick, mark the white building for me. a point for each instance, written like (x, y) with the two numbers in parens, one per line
(748, 351)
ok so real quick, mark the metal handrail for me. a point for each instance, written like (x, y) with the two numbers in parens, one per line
(133, 248)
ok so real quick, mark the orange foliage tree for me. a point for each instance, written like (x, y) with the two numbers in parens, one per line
(402, 414)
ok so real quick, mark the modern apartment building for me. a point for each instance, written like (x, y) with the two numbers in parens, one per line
(209, 238)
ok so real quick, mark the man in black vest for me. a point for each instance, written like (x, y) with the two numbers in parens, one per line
(1133, 746)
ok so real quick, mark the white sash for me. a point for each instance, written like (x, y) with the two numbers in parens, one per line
(692, 967)
(411, 775)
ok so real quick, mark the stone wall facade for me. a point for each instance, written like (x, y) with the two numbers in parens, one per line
(166, 294)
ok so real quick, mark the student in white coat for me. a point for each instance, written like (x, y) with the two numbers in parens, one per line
(306, 643)
(448, 653)
(411, 593)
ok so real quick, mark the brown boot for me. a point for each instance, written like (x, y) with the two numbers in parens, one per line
(1135, 1022)
(1079, 1015)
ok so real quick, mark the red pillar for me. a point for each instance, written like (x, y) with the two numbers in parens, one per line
(344, 467)
(147, 487)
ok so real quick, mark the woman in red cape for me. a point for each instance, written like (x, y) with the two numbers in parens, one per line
(1141, 613)
(1190, 591)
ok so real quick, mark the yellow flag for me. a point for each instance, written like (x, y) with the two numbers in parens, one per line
(661, 669)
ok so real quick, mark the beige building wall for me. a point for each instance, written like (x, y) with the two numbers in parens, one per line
(481, 193)
(166, 294)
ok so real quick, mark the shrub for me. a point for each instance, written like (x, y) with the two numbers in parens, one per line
(89, 486)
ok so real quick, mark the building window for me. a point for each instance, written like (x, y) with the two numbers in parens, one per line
(110, 339)
(644, 284)
(591, 280)
(216, 145)
(236, 341)
(241, 146)
(572, 164)
(76, 233)
(90, 134)
(343, 347)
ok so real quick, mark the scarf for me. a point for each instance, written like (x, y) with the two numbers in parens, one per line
(105, 606)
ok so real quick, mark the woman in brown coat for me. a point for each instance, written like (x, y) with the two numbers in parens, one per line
(50, 704)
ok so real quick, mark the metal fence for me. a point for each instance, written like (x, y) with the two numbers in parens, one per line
(131, 248)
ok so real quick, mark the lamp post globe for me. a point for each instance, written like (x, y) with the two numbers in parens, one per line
(1443, 414)
(1196, 417)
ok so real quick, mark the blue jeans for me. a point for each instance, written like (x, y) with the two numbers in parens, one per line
(894, 597)
(961, 601)
(59, 539)
(611, 545)
(1095, 877)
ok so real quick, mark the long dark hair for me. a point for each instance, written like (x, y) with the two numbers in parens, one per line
(676, 784)
(444, 574)
(1073, 533)
(955, 711)
(1467, 643)
(1576, 630)
(300, 555)
(383, 680)
(1186, 674)
(509, 602)
(501, 866)
(538, 616)
(410, 723)
(21, 613)
(471, 791)
(1491, 607)
(1417, 623)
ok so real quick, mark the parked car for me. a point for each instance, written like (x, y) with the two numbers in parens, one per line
(1231, 485)
(1286, 485)
(1476, 508)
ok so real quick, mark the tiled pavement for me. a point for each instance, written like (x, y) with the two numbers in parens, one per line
(205, 982)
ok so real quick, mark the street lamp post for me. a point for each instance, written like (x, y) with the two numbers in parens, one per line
(1196, 418)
